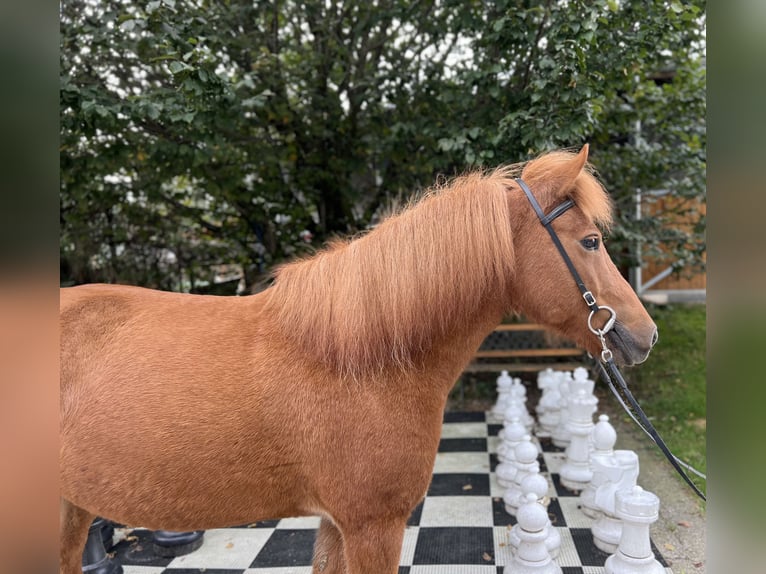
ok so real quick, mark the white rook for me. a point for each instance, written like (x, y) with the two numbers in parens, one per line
(619, 474)
(638, 509)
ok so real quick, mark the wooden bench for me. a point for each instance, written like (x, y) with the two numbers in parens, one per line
(534, 354)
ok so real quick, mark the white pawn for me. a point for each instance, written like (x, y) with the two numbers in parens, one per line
(503, 389)
(560, 434)
(513, 411)
(604, 438)
(576, 472)
(526, 463)
(621, 474)
(520, 392)
(549, 407)
(532, 556)
(506, 453)
(638, 509)
(517, 398)
(537, 485)
(545, 381)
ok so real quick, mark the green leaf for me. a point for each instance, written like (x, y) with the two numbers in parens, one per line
(176, 67)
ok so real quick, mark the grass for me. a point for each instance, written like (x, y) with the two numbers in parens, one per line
(671, 384)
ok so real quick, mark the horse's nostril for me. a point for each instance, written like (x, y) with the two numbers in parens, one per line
(655, 336)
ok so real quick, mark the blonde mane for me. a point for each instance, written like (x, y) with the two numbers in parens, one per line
(377, 301)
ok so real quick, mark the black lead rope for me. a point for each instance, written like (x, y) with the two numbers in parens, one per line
(644, 420)
(606, 355)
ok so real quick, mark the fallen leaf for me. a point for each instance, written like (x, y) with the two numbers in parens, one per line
(669, 546)
(683, 523)
(468, 487)
(230, 545)
(698, 564)
(487, 557)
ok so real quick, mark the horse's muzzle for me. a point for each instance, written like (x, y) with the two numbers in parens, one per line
(629, 348)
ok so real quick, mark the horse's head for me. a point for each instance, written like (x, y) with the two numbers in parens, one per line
(545, 289)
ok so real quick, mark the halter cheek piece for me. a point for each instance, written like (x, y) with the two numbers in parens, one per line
(606, 354)
(590, 300)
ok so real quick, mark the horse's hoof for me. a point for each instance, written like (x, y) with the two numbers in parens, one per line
(169, 544)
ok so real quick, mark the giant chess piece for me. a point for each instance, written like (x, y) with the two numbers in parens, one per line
(549, 407)
(604, 438)
(545, 380)
(581, 382)
(526, 463)
(167, 543)
(619, 474)
(512, 411)
(503, 392)
(638, 509)
(513, 434)
(532, 556)
(537, 484)
(576, 473)
(95, 560)
(561, 434)
(519, 396)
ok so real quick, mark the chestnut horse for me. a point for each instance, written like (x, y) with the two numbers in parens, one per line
(322, 395)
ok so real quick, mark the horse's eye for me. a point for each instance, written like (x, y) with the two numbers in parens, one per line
(590, 243)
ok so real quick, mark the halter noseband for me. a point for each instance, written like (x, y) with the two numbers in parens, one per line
(606, 354)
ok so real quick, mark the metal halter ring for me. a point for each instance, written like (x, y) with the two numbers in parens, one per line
(606, 354)
(609, 324)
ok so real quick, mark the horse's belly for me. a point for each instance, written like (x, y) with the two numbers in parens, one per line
(183, 496)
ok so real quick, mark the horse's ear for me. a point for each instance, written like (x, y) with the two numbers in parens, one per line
(556, 172)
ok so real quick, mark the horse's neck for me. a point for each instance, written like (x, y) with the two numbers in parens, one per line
(451, 352)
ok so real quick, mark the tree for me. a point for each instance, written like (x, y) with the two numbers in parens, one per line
(199, 133)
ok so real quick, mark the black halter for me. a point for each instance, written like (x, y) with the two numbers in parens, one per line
(606, 354)
(546, 220)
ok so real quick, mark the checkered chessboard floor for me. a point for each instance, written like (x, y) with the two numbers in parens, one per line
(461, 527)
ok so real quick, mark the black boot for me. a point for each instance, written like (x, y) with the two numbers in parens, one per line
(168, 544)
(94, 558)
(107, 534)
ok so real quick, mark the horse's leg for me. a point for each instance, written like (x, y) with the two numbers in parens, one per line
(374, 548)
(73, 532)
(328, 550)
